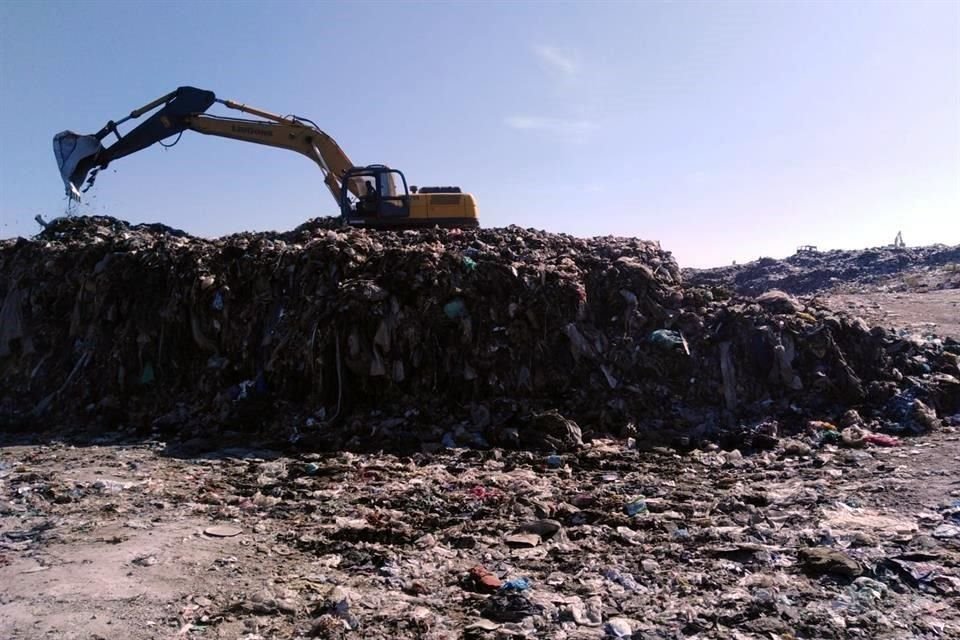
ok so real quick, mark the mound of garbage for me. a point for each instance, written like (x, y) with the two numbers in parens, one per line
(429, 338)
(811, 271)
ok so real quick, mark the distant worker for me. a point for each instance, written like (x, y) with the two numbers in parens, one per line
(368, 204)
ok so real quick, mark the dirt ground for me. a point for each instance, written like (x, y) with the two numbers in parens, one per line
(123, 541)
(935, 312)
(115, 539)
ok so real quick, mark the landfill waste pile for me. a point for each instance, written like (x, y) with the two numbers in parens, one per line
(414, 341)
(816, 539)
(812, 271)
(494, 433)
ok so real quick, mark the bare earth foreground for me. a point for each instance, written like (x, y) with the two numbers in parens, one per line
(121, 542)
(114, 540)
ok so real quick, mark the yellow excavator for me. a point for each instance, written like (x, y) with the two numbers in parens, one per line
(373, 196)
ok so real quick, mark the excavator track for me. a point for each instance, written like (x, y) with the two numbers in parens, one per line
(413, 223)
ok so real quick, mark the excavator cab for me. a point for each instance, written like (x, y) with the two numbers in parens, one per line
(375, 195)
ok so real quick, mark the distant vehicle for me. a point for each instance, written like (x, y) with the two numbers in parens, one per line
(374, 196)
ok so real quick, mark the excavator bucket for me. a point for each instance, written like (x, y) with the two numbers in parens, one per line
(76, 156)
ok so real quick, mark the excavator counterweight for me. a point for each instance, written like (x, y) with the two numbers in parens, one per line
(373, 196)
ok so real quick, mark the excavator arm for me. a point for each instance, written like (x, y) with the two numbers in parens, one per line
(184, 109)
(283, 134)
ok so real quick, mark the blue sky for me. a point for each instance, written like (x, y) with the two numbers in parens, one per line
(725, 130)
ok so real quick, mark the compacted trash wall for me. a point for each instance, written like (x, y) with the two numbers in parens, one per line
(510, 337)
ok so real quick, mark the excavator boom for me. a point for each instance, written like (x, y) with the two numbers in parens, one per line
(184, 109)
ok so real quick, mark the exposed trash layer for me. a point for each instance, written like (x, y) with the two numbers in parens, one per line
(814, 539)
(810, 271)
(506, 337)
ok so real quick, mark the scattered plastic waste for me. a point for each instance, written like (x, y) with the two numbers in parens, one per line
(455, 309)
(619, 628)
(223, 531)
(218, 301)
(516, 584)
(883, 440)
(636, 507)
(668, 339)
